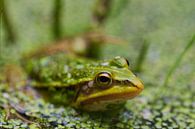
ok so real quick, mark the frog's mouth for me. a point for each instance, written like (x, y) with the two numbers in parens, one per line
(113, 94)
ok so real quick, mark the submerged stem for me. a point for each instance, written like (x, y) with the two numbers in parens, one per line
(9, 27)
(57, 16)
(178, 60)
(142, 56)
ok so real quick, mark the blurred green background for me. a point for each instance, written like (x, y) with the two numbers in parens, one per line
(167, 25)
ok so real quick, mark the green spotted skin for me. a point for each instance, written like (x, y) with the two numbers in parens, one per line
(58, 70)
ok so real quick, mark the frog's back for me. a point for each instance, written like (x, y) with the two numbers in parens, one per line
(58, 70)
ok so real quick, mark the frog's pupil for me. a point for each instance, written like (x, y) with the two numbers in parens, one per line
(103, 79)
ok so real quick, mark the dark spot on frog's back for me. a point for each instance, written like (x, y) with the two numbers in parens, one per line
(119, 62)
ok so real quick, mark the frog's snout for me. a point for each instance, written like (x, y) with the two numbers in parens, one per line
(136, 82)
(139, 85)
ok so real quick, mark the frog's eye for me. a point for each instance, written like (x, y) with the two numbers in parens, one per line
(104, 79)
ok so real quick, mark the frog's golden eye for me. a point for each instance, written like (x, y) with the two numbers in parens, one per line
(104, 79)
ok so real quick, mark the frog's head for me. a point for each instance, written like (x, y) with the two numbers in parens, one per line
(112, 83)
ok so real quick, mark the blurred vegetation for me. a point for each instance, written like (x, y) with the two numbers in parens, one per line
(157, 33)
(11, 35)
(57, 11)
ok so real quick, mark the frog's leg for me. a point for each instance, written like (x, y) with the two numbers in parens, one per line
(14, 76)
(15, 79)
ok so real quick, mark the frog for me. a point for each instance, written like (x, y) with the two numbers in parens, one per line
(86, 84)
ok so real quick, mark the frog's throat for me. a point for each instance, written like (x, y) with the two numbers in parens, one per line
(116, 93)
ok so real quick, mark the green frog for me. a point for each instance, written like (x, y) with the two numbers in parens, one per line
(83, 83)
